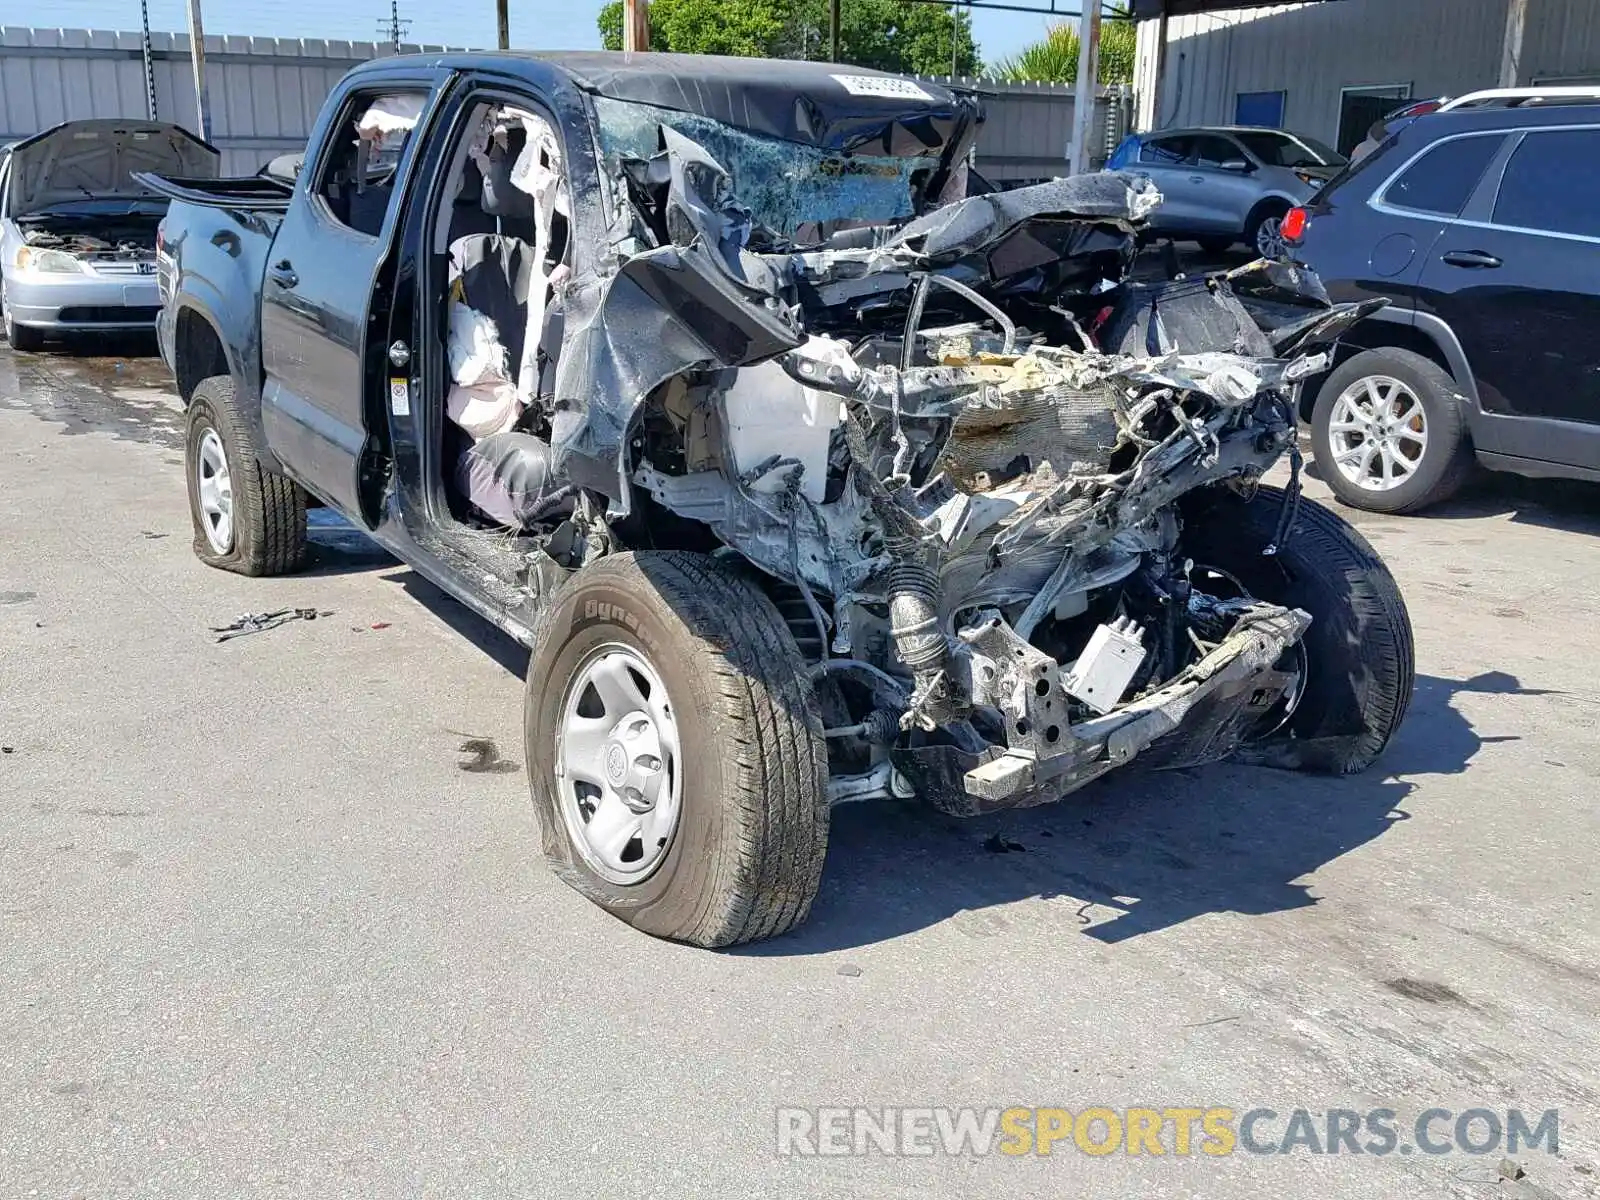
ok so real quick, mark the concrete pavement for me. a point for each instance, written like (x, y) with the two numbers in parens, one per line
(263, 932)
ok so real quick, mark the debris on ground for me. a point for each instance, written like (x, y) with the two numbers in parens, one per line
(998, 844)
(849, 971)
(152, 535)
(1515, 1181)
(485, 758)
(261, 622)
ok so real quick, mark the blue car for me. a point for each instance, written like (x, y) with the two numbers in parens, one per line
(1228, 184)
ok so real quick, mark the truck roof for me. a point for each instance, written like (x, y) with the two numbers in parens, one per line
(825, 104)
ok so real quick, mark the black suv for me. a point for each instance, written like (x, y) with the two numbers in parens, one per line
(1481, 224)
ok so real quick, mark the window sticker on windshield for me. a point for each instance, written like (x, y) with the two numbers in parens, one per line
(877, 85)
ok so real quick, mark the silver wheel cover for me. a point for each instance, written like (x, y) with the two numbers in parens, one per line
(214, 487)
(619, 765)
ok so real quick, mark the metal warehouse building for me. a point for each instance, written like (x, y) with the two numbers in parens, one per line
(1329, 68)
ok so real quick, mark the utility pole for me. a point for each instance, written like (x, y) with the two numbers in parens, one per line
(197, 56)
(833, 29)
(635, 25)
(1088, 79)
(149, 63)
(394, 26)
(955, 36)
(1511, 51)
(502, 14)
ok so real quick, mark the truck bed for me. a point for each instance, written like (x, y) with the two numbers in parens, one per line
(245, 193)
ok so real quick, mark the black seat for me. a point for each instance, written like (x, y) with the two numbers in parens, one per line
(467, 217)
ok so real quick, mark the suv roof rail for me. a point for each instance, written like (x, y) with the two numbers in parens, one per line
(1515, 97)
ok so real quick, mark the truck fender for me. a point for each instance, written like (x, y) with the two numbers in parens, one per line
(199, 351)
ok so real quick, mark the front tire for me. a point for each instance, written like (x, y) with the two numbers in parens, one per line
(21, 337)
(246, 518)
(1360, 655)
(1388, 433)
(663, 681)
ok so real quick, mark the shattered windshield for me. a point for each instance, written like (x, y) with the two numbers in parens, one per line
(786, 185)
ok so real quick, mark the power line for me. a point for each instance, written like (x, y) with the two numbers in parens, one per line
(394, 27)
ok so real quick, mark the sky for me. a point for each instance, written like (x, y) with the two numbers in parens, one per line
(535, 24)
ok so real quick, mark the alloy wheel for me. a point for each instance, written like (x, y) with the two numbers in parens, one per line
(1269, 239)
(1378, 431)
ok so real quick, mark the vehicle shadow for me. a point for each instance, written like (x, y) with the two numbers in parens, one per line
(1128, 855)
(503, 649)
(336, 547)
(1564, 504)
(1567, 505)
(133, 344)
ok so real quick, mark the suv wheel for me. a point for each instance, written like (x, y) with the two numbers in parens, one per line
(246, 519)
(1388, 432)
(675, 750)
(1264, 233)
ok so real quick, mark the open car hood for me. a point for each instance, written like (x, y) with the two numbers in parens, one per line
(95, 160)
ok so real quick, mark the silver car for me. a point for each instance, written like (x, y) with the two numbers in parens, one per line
(77, 234)
(1229, 184)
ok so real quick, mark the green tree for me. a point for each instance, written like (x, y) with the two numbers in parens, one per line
(747, 27)
(1055, 59)
(891, 35)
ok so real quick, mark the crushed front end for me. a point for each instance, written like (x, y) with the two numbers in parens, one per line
(959, 451)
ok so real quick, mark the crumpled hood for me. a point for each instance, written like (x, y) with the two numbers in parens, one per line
(82, 160)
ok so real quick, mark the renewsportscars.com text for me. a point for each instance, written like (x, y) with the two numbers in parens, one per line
(1214, 1131)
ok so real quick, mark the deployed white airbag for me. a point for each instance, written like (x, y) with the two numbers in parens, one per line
(483, 399)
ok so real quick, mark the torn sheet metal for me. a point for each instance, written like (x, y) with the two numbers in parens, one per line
(958, 439)
(977, 223)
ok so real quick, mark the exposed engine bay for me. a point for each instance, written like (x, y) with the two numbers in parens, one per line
(958, 449)
(96, 237)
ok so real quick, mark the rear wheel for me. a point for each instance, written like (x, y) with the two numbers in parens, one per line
(1264, 233)
(675, 751)
(246, 518)
(1388, 432)
(1359, 655)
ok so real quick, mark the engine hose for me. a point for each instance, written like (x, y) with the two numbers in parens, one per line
(914, 615)
(913, 587)
(919, 639)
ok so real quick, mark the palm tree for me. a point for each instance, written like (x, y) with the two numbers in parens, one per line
(1055, 59)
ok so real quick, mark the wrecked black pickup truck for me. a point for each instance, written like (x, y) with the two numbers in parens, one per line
(807, 476)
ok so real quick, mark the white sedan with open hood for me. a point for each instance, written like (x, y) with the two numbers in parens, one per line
(78, 233)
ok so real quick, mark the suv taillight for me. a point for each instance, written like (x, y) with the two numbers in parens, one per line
(1294, 225)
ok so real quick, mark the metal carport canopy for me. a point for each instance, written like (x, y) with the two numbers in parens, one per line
(1147, 9)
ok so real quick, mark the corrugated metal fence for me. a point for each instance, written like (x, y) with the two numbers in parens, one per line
(1317, 55)
(264, 94)
(1029, 127)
